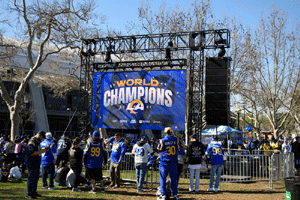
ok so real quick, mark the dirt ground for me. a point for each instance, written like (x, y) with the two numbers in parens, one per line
(244, 191)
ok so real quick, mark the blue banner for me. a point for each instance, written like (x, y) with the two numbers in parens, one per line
(139, 100)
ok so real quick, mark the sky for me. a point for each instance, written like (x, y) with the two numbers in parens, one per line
(120, 12)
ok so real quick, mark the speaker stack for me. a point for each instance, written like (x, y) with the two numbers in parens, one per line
(217, 91)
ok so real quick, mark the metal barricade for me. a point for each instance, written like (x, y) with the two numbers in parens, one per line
(236, 152)
(237, 168)
(262, 152)
(281, 166)
(243, 168)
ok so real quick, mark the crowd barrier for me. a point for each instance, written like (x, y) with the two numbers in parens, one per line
(237, 168)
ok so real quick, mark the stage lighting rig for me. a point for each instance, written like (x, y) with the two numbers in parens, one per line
(221, 52)
(168, 50)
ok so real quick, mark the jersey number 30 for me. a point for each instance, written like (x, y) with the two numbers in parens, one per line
(171, 151)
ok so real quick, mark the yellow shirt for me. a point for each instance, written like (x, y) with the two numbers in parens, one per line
(274, 146)
(266, 149)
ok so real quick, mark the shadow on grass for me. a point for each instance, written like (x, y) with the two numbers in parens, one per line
(254, 192)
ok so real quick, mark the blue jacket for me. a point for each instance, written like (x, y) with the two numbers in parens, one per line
(47, 157)
(33, 161)
(118, 151)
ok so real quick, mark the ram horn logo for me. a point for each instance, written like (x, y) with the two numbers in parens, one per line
(135, 105)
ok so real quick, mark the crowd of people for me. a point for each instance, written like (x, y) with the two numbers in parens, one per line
(60, 163)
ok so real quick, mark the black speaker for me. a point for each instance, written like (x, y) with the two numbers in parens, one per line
(217, 91)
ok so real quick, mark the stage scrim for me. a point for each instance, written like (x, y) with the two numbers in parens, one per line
(139, 100)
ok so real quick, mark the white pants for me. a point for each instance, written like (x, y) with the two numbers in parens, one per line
(196, 173)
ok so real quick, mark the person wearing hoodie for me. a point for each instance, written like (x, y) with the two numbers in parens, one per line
(141, 151)
(195, 153)
(94, 154)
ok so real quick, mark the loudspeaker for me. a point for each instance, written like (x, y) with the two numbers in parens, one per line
(217, 91)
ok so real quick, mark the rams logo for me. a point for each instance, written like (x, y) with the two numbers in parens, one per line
(135, 105)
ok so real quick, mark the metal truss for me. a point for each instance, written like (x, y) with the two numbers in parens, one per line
(142, 64)
(96, 56)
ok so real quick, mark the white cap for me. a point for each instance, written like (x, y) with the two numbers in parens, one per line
(48, 135)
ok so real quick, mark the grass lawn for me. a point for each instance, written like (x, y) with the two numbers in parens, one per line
(245, 191)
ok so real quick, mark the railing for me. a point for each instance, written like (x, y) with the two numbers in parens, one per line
(237, 168)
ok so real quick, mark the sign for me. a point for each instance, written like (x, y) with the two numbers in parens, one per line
(139, 100)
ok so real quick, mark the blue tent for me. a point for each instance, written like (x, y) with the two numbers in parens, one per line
(221, 130)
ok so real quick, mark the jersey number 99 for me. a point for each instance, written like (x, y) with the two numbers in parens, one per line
(95, 151)
(216, 151)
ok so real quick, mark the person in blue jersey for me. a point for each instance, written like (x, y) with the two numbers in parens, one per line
(63, 147)
(33, 162)
(215, 152)
(4, 171)
(94, 154)
(2, 143)
(118, 151)
(141, 151)
(48, 161)
(76, 154)
(195, 152)
(168, 146)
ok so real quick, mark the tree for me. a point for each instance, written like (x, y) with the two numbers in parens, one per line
(49, 28)
(274, 74)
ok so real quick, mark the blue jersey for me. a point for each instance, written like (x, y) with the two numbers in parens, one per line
(2, 144)
(33, 161)
(118, 151)
(94, 154)
(168, 146)
(216, 153)
(4, 173)
(63, 146)
(47, 157)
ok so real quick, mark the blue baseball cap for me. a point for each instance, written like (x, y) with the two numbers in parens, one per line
(145, 137)
(96, 134)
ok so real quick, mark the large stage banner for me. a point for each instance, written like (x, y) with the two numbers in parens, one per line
(139, 100)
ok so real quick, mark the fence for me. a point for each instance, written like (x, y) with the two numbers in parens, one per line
(237, 168)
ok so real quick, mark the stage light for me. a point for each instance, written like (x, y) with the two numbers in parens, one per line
(221, 52)
(168, 53)
(107, 56)
(168, 50)
(219, 39)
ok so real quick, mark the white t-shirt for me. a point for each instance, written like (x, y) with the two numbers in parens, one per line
(141, 153)
(15, 173)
